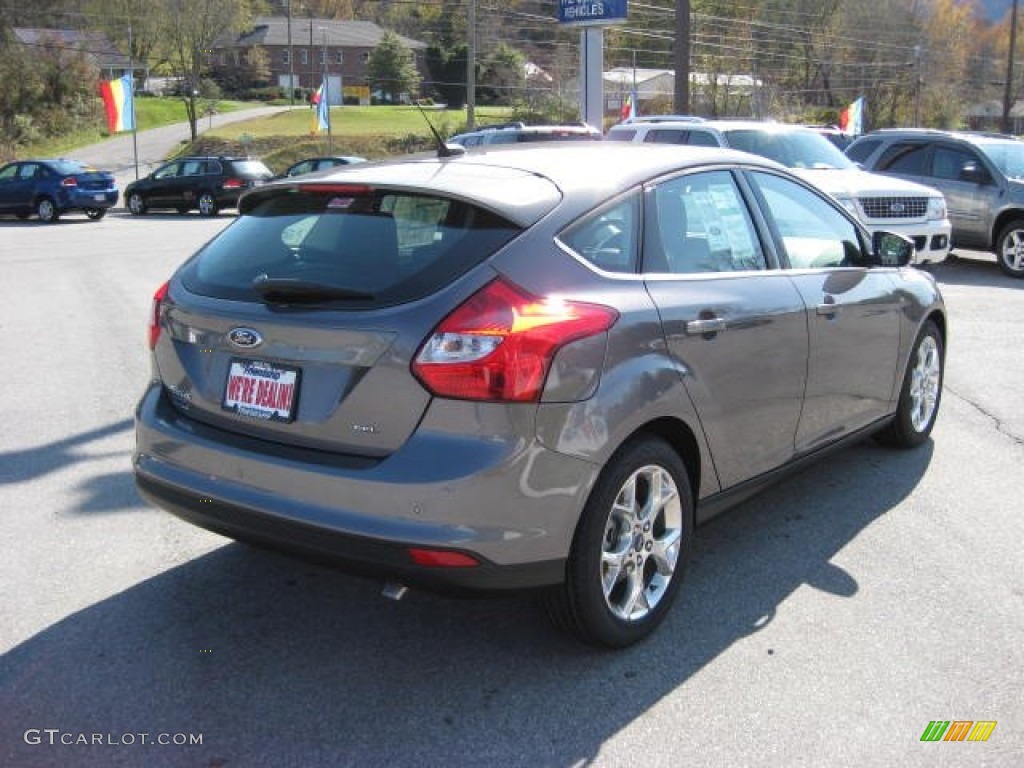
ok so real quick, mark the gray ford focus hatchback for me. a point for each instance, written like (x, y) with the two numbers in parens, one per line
(535, 367)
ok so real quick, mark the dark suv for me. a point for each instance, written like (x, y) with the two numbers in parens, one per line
(980, 174)
(205, 183)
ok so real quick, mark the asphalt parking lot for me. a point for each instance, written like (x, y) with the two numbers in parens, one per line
(825, 622)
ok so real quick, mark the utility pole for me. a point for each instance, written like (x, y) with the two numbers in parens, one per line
(471, 68)
(291, 60)
(1008, 87)
(681, 93)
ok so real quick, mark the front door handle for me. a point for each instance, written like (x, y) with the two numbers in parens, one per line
(828, 308)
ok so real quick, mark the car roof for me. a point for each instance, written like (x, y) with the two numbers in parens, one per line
(523, 182)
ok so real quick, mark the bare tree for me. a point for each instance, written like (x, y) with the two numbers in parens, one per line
(191, 27)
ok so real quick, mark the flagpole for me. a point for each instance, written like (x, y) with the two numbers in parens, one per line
(327, 93)
(135, 125)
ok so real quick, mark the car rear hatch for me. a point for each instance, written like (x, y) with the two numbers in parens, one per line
(298, 323)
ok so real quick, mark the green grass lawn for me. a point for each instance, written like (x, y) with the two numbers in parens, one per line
(376, 121)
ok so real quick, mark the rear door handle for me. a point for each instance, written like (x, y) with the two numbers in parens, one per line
(705, 325)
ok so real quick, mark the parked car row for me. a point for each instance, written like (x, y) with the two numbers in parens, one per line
(942, 189)
(50, 188)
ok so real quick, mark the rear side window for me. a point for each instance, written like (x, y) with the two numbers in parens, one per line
(249, 169)
(608, 238)
(625, 135)
(382, 247)
(904, 158)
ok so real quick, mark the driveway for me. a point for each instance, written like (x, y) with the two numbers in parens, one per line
(154, 145)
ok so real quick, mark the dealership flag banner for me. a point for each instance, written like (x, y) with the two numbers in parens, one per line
(851, 119)
(629, 107)
(119, 103)
(322, 121)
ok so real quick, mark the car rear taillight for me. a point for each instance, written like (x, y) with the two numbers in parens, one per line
(233, 183)
(69, 181)
(498, 345)
(154, 317)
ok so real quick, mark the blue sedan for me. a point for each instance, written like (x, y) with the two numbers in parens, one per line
(49, 188)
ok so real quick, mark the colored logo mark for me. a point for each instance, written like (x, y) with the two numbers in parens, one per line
(958, 730)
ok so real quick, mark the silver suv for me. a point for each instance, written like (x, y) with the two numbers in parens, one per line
(521, 133)
(981, 175)
(881, 203)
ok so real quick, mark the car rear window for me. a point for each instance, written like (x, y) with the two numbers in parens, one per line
(251, 169)
(385, 247)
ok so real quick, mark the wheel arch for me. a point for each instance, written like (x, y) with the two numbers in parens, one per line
(1004, 218)
(683, 441)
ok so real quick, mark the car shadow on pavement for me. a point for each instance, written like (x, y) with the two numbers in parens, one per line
(276, 662)
(974, 269)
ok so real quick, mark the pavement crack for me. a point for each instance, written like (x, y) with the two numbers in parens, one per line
(1000, 425)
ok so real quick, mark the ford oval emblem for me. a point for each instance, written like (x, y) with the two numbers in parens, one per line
(897, 208)
(246, 338)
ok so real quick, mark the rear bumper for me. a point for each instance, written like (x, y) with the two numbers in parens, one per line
(511, 505)
(358, 554)
(82, 199)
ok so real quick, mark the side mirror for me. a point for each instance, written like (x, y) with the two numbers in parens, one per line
(892, 249)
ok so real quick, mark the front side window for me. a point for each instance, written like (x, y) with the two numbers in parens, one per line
(608, 237)
(700, 223)
(949, 163)
(169, 171)
(814, 234)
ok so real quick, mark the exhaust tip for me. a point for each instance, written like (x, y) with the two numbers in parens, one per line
(394, 590)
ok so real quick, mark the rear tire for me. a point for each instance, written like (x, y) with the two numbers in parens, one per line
(630, 549)
(136, 204)
(47, 211)
(921, 392)
(95, 213)
(1010, 249)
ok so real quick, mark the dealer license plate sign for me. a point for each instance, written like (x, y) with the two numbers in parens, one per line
(262, 390)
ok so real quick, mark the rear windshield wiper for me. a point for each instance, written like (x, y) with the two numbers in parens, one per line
(290, 290)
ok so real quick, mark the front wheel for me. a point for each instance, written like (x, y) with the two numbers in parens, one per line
(1010, 249)
(95, 213)
(921, 392)
(136, 204)
(207, 204)
(630, 548)
(47, 211)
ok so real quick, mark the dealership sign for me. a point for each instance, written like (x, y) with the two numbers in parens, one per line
(592, 11)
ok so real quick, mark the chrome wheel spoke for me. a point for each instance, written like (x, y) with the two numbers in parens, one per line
(666, 551)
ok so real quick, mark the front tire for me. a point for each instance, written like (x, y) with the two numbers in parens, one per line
(1010, 249)
(921, 392)
(136, 204)
(95, 213)
(207, 204)
(630, 548)
(47, 211)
